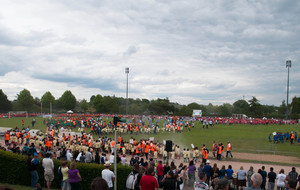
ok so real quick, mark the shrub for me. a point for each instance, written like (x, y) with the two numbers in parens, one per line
(14, 171)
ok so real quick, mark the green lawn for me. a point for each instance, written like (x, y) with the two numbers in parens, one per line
(244, 138)
(19, 187)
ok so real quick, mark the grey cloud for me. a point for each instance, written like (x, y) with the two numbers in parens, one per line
(131, 50)
(100, 83)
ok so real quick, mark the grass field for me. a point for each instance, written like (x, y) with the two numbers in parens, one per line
(244, 138)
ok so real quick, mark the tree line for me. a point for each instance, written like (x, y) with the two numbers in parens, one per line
(117, 105)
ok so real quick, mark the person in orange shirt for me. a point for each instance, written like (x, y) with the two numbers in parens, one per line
(7, 136)
(229, 150)
(292, 138)
(214, 148)
(219, 152)
(147, 150)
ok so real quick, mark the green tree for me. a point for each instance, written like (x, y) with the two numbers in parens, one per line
(282, 109)
(84, 105)
(241, 107)
(97, 103)
(255, 108)
(46, 99)
(67, 100)
(25, 100)
(295, 108)
(5, 104)
(225, 110)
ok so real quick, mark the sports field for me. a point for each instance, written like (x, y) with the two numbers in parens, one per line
(244, 138)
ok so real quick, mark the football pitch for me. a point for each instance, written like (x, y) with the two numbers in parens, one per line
(244, 138)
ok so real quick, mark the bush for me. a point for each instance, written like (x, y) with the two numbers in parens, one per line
(14, 171)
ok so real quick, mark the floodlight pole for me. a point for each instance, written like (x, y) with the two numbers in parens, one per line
(115, 158)
(288, 65)
(127, 72)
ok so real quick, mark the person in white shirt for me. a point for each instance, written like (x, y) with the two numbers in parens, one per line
(281, 180)
(48, 166)
(112, 158)
(124, 160)
(69, 155)
(108, 175)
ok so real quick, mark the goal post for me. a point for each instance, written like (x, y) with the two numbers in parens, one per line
(17, 114)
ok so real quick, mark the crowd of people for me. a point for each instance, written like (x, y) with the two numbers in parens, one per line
(279, 137)
(148, 158)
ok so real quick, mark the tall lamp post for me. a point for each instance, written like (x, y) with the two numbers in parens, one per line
(288, 65)
(127, 72)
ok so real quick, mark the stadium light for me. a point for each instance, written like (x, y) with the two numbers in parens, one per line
(288, 65)
(127, 72)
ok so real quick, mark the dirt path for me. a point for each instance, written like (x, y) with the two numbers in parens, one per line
(267, 157)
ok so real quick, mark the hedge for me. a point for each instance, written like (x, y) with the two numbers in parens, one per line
(14, 171)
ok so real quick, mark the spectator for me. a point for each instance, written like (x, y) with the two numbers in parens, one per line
(293, 175)
(148, 182)
(169, 182)
(33, 167)
(166, 168)
(271, 177)
(264, 178)
(200, 169)
(249, 174)
(207, 169)
(136, 173)
(74, 176)
(99, 184)
(183, 175)
(65, 175)
(229, 173)
(291, 184)
(256, 181)
(191, 172)
(222, 172)
(124, 160)
(88, 157)
(97, 158)
(160, 171)
(223, 184)
(108, 175)
(280, 180)
(241, 178)
(201, 185)
(48, 166)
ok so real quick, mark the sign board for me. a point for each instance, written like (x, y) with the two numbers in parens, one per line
(164, 142)
(151, 138)
(192, 145)
(131, 141)
(197, 113)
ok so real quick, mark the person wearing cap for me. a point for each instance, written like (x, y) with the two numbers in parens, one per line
(108, 175)
(207, 169)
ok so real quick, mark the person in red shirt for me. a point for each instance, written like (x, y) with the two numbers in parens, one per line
(148, 182)
(160, 171)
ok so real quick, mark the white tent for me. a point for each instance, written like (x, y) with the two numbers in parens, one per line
(70, 111)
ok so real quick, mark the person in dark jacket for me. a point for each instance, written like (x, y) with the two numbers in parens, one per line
(170, 182)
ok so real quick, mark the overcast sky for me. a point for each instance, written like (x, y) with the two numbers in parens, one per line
(189, 50)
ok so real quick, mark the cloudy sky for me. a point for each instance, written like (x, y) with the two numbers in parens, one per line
(187, 50)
